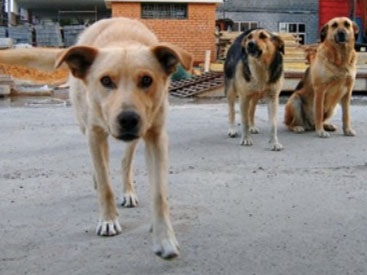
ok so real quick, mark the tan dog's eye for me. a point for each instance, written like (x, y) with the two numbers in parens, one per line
(262, 35)
(107, 82)
(334, 25)
(145, 81)
(346, 24)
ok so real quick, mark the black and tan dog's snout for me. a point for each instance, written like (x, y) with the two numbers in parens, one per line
(253, 49)
(129, 125)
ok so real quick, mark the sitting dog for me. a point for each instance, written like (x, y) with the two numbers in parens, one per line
(253, 70)
(119, 87)
(328, 81)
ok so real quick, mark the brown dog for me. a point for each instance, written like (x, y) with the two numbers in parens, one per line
(328, 81)
(119, 86)
(254, 70)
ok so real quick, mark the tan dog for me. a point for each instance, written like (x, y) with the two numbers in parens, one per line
(254, 70)
(328, 81)
(119, 87)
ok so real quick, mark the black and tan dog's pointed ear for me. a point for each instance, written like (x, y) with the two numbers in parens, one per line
(169, 56)
(278, 42)
(356, 31)
(79, 59)
(323, 32)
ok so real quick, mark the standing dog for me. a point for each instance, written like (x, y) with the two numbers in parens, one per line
(253, 70)
(119, 87)
(328, 81)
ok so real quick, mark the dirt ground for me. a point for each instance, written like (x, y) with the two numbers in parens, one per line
(235, 209)
(35, 76)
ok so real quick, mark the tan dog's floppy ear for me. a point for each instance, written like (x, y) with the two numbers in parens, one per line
(278, 42)
(169, 56)
(79, 59)
(356, 31)
(323, 32)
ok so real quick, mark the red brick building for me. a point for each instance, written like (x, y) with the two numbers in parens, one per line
(189, 24)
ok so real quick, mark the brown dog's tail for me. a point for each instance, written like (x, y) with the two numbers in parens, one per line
(39, 58)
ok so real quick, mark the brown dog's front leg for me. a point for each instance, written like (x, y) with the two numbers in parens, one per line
(108, 224)
(319, 112)
(345, 104)
(165, 244)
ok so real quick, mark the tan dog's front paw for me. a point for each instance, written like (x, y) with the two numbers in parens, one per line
(166, 248)
(108, 228)
(129, 200)
(247, 141)
(254, 130)
(232, 132)
(298, 129)
(322, 134)
(277, 147)
(349, 132)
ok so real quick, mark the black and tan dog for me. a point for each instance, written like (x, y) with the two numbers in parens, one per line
(254, 70)
(328, 81)
(119, 87)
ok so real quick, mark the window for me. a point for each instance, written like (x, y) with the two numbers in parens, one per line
(163, 11)
(299, 29)
(241, 26)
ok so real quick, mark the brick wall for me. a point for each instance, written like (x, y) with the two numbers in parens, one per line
(196, 34)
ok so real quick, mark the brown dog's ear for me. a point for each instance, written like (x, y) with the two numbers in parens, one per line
(356, 31)
(278, 42)
(323, 32)
(79, 59)
(169, 56)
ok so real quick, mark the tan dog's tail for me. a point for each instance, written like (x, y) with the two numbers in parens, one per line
(39, 58)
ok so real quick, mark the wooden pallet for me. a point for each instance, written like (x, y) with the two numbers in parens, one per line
(196, 85)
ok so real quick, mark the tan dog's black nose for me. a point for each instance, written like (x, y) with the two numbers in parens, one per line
(129, 122)
(341, 37)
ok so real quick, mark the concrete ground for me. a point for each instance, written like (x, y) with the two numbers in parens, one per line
(235, 209)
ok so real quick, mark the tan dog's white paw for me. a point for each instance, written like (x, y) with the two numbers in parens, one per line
(254, 130)
(247, 141)
(166, 248)
(298, 129)
(129, 200)
(349, 132)
(322, 134)
(232, 132)
(108, 228)
(277, 147)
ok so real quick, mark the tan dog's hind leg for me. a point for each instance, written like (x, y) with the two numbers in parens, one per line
(164, 241)
(231, 98)
(129, 198)
(272, 113)
(108, 224)
(345, 104)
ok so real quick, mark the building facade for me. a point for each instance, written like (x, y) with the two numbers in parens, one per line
(189, 24)
(299, 17)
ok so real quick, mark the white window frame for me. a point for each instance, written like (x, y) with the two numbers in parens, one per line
(239, 25)
(285, 27)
